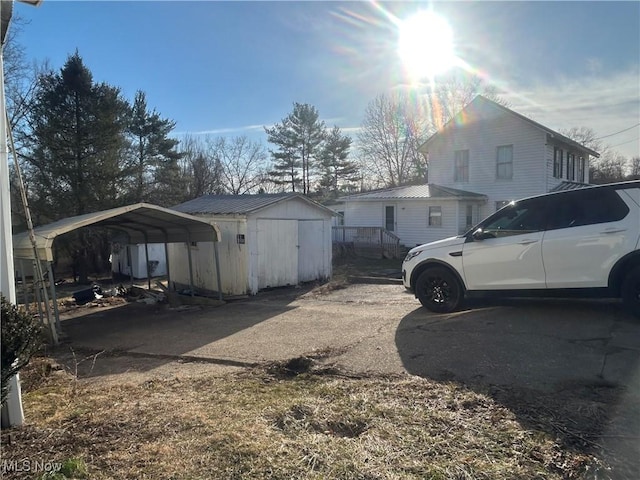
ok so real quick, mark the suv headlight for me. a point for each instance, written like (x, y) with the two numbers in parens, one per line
(411, 255)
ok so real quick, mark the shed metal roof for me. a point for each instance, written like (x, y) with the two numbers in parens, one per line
(143, 222)
(425, 191)
(240, 204)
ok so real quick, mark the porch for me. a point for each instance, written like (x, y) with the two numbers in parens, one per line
(373, 242)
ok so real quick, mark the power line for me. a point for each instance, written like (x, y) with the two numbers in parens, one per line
(624, 143)
(621, 131)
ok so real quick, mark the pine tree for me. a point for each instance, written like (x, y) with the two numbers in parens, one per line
(151, 147)
(75, 151)
(76, 143)
(297, 138)
(338, 171)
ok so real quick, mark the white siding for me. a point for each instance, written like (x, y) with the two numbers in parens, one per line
(412, 218)
(269, 256)
(553, 182)
(277, 253)
(313, 260)
(120, 262)
(233, 260)
(481, 138)
(363, 214)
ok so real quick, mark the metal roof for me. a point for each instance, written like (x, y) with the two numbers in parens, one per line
(480, 101)
(143, 222)
(240, 204)
(563, 186)
(425, 191)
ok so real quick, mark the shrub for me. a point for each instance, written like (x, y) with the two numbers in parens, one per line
(21, 338)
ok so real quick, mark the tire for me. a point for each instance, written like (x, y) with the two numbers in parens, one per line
(439, 290)
(630, 291)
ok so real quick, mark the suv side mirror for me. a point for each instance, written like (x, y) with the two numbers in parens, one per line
(480, 234)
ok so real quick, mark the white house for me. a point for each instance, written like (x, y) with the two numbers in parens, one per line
(490, 149)
(416, 214)
(482, 159)
(268, 240)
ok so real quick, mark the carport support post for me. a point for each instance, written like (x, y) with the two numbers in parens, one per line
(190, 264)
(129, 262)
(52, 285)
(166, 257)
(217, 258)
(146, 258)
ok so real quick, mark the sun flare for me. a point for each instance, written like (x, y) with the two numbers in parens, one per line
(425, 45)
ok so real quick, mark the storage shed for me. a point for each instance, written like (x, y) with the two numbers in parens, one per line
(268, 240)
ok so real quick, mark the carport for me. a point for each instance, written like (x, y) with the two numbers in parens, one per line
(140, 222)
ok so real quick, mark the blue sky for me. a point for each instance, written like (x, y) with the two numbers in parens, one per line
(229, 68)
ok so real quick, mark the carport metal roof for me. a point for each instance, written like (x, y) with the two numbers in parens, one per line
(143, 222)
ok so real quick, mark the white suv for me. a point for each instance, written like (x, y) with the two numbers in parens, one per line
(577, 242)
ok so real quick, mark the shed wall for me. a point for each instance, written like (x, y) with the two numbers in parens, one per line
(270, 255)
(233, 260)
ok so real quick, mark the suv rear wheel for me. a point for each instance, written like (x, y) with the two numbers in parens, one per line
(631, 291)
(438, 290)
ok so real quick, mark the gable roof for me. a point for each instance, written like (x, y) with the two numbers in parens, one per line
(424, 191)
(480, 102)
(143, 222)
(240, 204)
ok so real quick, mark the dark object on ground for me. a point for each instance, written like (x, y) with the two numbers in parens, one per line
(88, 294)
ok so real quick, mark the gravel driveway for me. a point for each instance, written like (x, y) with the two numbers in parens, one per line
(582, 350)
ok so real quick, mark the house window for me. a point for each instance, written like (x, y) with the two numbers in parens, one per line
(469, 217)
(571, 165)
(461, 162)
(435, 216)
(504, 169)
(581, 167)
(340, 218)
(557, 162)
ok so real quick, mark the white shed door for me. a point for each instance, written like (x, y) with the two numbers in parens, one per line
(311, 260)
(277, 253)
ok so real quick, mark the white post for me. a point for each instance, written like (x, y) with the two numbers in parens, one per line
(13, 408)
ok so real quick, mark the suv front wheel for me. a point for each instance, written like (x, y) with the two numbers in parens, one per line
(631, 291)
(438, 290)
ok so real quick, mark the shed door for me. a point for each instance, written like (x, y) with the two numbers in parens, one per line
(277, 253)
(311, 259)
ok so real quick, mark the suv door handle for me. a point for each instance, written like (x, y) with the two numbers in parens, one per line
(614, 230)
(527, 241)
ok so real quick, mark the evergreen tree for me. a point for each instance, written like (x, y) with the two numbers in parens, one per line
(338, 171)
(151, 147)
(75, 151)
(76, 144)
(297, 138)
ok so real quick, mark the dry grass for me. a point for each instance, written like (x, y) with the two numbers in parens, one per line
(270, 423)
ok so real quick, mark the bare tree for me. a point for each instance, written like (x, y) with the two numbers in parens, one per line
(395, 125)
(392, 130)
(200, 169)
(634, 174)
(242, 163)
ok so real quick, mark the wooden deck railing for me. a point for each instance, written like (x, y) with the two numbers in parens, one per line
(368, 237)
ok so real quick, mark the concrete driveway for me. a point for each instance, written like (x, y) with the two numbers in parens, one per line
(538, 348)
